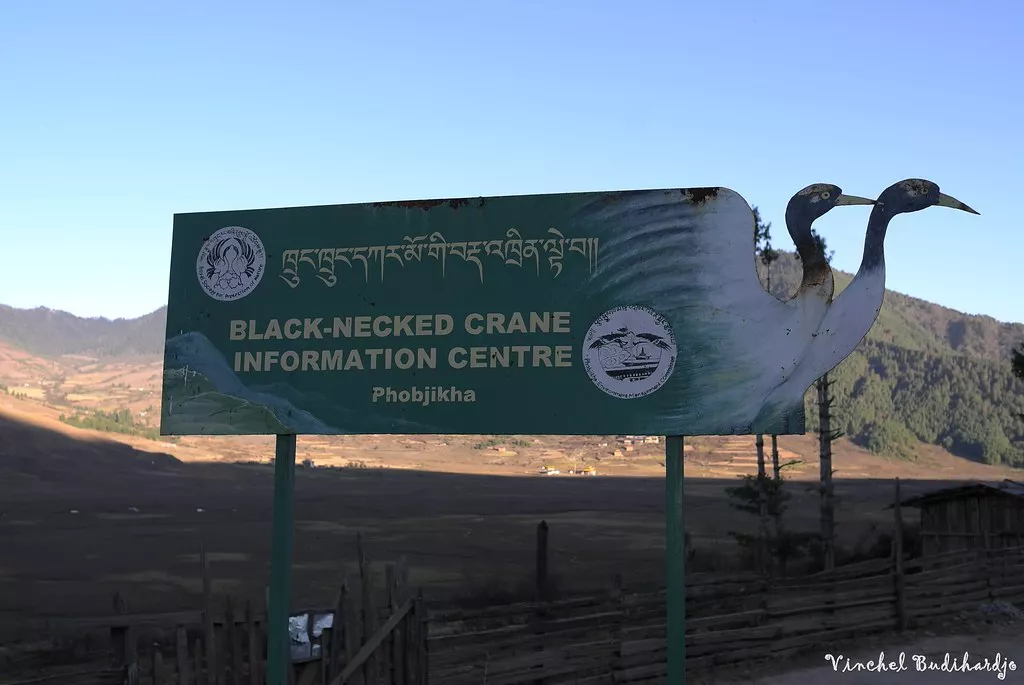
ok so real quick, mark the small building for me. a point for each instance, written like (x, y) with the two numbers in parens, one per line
(971, 516)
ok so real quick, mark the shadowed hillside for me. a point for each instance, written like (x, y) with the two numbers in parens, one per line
(35, 451)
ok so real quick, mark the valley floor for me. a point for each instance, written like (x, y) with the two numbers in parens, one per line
(83, 517)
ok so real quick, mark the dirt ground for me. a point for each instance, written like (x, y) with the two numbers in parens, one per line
(70, 544)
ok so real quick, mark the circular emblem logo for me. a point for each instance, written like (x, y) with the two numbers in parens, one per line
(629, 352)
(231, 263)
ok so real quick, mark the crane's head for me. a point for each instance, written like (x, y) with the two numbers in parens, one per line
(814, 201)
(915, 194)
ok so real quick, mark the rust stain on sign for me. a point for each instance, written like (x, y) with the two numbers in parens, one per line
(700, 195)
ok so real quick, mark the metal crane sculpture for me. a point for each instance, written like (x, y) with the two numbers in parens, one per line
(849, 318)
(736, 342)
(810, 204)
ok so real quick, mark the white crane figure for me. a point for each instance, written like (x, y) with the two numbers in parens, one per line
(691, 255)
(849, 318)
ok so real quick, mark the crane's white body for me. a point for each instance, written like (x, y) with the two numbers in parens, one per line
(845, 324)
(736, 342)
(842, 327)
(850, 317)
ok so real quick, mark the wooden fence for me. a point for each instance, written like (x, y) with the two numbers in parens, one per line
(614, 637)
(380, 640)
(620, 637)
(387, 636)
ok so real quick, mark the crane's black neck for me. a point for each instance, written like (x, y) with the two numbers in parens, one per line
(812, 258)
(874, 239)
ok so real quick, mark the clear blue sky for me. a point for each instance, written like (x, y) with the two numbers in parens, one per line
(116, 115)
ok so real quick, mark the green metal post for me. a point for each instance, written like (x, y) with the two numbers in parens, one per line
(278, 643)
(676, 561)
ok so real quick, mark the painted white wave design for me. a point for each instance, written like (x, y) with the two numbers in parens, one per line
(194, 351)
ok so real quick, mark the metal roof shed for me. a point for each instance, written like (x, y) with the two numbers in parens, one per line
(970, 516)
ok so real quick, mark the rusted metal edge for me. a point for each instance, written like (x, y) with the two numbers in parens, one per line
(454, 203)
(699, 196)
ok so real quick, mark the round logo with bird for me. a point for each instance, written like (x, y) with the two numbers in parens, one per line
(630, 351)
(231, 263)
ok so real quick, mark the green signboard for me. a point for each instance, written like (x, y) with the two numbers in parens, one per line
(590, 313)
(587, 313)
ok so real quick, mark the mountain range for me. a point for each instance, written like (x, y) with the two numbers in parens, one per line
(925, 373)
(51, 333)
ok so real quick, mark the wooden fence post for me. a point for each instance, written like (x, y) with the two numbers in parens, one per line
(122, 638)
(353, 630)
(396, 640)
(372, 667)
(413, 628)
(181, 649)
(541, 571)
(325, 655)
(213, 677)
(234, 648)
(422, 633)
(202, 677)
(336, 637)
(899, 582)
(404, 635)
(118, 646)
(409, 651)
(255, 653)
(158, 665)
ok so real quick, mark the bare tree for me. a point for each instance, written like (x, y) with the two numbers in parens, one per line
(764, 251)
(775, 457)
(826, 436)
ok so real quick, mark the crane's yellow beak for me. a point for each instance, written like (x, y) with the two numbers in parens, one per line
(947, 201)
(845, 199)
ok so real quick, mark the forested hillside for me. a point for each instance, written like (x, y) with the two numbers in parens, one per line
(924, 373)
(888, 397)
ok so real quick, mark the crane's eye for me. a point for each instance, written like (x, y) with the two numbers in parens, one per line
(825, 195)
